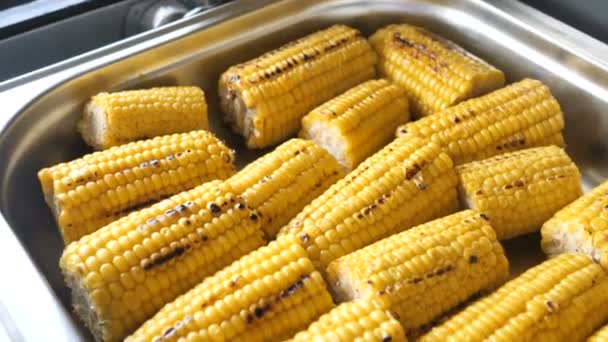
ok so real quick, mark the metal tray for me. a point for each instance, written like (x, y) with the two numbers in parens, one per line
(40, 111)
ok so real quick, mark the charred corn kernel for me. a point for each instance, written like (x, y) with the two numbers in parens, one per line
(359, 122)
(279, 184)
(562, 299)
(357, 321)
(264, 99)
(408, 182)
(425, 271)
(600, 335)
(518, 116)
(112, 119)
(520, 190)
(123, 273)
(581, 226)
(435, 72)
(268, 294)
(90, 192)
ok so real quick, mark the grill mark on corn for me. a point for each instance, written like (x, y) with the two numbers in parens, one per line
(305, 56)
(417, 49)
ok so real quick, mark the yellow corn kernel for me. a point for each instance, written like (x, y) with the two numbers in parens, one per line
(269, 294)
(357, 321)
(264, 99)
(408, 182)
(90, 192)
(359, 122)
(435, 72)
(521, 115)
(520, 190)
(562, 299)
(581, 226)
(279, 184)
(112, 119)
(123, 273)
(425, 271)
(600, 335)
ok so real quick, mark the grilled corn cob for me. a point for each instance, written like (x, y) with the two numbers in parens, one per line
(266, 295)
(435, 72)
(408, 182)
(265, 99)
(521, 115)
(359, 122)
(123, 273)
(112, 119)
(90, 192)
(357, 321)
(279, 184)
(600, 335)
(582, 226)
(520, 190)
(563, 299)
(425, 271)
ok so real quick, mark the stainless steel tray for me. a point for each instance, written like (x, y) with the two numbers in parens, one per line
(40, 111)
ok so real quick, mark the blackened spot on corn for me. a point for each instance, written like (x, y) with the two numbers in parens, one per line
(498, 147)
(551, 306)
(152, 221)
(479, 192)
(366, 211)
(253, 217)
(169, 332)
(417, 280)
(380, 200)
(204, 238)
(508, 186)
(369, 282)
(240, 206)
(296, 153)
(519, 183)
(360, 216)
(305, 56)
(164, 258)
(473, 259)
(181, 208)
(387, 338)
(179, 154)
(189, 204)
(169, 157)
(411, 172)
(440, 271)
(403, 131)
(484, 216)
(144, 164)
(154, 162)
(170, 212)
(234, 78)
(249, 319)
(430, 275)
(258, 312)
(235, 281)
(214, 208)
(187, 222)
(456, 119)
(305, 238)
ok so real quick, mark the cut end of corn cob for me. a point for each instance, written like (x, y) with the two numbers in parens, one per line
(581, 227)
(269, 294)
(600, 335)
(425, 271)
(123, 273)
(264, 99)
(562, 299)
(112, 119)
(521, 115)
(435, 72)
(520, 190)
(90, 192)
(359, 122)
(408, 182)
(360, 320)
(279, 184)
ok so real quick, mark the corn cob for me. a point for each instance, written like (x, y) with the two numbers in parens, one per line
(435, 72)
(123, 273)
(563, 299)
(600, 335)
(521, 115)
(357, 321)
(112, 119)
(425, 271)
(520, 190)
(581, 226)
(266, 295)
(265, 99)
(90, 192)
(359, 122)
(279, 184)
(408, 182)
